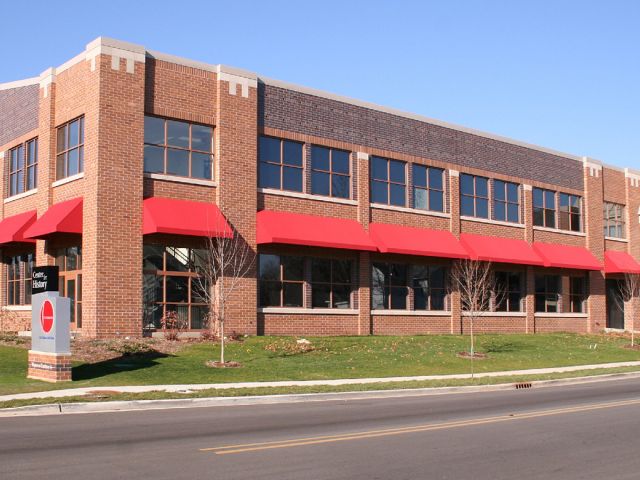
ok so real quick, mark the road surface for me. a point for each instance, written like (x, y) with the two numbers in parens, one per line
(589, 431)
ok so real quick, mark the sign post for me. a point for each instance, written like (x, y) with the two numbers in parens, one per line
(50, 354)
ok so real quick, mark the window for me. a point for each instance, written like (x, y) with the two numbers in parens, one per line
(281, 281)
(19, 268)
(428, 188)
(544, 208)
(429, 287)
(614, 221)
(69, 261)
(330, 172)
(548, 290)
(577, 294)
(388, 182)
(174, 147)
(331, 283)
(389, 286)
(172, 284)
(506, 201)
(70, 149)
(509, 292)
(280, 164)
(474, 196)
(569, 216)
(23, 168)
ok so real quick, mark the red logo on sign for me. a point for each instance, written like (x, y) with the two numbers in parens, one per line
(46, 316)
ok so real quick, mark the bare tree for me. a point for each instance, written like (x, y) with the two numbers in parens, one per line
(227, 261)
(478, 291)
(629, 288)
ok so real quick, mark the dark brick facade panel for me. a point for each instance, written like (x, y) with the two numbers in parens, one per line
(18, 112)
(307, 114)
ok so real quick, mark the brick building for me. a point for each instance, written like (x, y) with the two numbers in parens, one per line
(116, 163)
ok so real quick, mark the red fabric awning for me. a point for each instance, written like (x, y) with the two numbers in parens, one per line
(564, 256)
(311, 230)
(614, 262)
(183, 217)
(500, 250)
(416, 241)
(63, 217)
(12, 228)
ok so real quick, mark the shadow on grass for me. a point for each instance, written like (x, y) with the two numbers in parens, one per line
(124, 363)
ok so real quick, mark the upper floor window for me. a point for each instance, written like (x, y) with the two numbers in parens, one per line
(388, 182)
(570, 212)
(614, 220)
(428, 188)
(174, 147)
(281, 164)
(23, 167)
(474, 196)
(70, 149)
(544, 208)
(506, 201)
(330, 172)
(19, 268)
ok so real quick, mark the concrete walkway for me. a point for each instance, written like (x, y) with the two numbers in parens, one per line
(187, 388)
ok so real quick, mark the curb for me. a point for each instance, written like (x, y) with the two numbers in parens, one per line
(140, 405)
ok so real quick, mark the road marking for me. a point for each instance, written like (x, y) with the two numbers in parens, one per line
(298, 442)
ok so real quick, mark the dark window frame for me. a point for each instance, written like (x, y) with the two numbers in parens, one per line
(577, 296)
(428, 188)
(441, 292)
(63, 151)
(331, 172)
(390, 284)
(475, 197)
(282, 281)
(24, 182)
(548, 294)
(615, 220)
(18, 278)
(388, 182)
(502, 298)
(166, 147)
(332, 283)
(569, 216)
(503, 186)
(281, 165)
(70, 273)
(549, 214)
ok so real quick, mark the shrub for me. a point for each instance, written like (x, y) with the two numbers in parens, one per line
(172, 325)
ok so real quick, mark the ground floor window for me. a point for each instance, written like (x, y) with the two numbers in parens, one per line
(285, 279)
(396, 286)
(172, 284)
(18, 277)
(69, 261)
(509, 291)
(548, 291)
(577, 294)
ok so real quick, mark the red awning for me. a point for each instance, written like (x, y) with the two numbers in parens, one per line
(183, 217)
(614, 262)
(500, 250)
(12, 228)
(564, 256)
(416, 241)
(310, 230)
(63, 217)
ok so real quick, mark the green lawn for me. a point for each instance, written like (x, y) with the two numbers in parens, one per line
(275, 358)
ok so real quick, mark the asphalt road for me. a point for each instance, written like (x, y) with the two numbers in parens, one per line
(589, 431)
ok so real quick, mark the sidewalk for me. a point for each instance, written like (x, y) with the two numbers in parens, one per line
(73, 392)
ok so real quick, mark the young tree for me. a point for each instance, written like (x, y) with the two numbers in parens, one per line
(629, 288)
(227, 261)
(478, 289)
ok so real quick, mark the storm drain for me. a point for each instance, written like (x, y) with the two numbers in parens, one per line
(522, 385)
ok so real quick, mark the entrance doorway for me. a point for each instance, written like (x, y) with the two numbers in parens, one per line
(615, 305)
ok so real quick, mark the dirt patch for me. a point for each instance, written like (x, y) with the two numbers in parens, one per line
(631, 347)
(476, 355)
(228, 364)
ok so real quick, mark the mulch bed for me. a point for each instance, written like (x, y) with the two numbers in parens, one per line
(228, 364)
(476, 355)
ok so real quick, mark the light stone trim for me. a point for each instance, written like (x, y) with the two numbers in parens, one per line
(496, 314)
(492, 222)
(308, 311)
(561, 315)
(18, 196)
(454, 173)
(633, 176)
(594, 166)
(381, 206)
(70, 179)
(174, 178)
(307, 196)
(614, 239)
(47, 78)
(527, 188)
(20, 83)
(557, 230)
(362, 156)
(18, 308)
(411, 313)
(117, 50)
(1, 155)
(236, 80)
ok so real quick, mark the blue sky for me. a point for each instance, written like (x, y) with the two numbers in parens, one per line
(563, 74)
